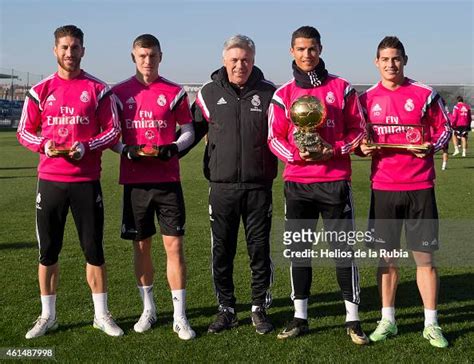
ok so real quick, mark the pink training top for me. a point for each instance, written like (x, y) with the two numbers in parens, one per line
(149, 116)
(461, 116)
(343, 129)
(411, 103)
(84, 110)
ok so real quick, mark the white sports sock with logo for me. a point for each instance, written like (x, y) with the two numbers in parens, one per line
(179, 303)
(146, 293)
(100, 304)
(431, 317)
(48, 306)
(301, 308)
(389, 314)
(352, 311)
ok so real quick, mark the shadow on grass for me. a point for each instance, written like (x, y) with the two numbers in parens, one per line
(66, 327)
(453, 289)
(15, 168)
(329, 304)
(12, 177)
(126, 324)
(361, 159)
(14, 246)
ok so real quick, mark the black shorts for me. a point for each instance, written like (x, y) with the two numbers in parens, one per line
(331, 200)
(462, 131)
(142, 201)
(53, 200)
(306, 202)
(416, 210)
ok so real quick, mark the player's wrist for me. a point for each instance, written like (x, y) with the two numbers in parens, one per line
(43, 146)
(174, 147)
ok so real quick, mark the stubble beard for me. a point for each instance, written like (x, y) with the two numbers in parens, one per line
(74, 66)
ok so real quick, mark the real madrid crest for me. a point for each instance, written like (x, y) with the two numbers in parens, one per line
(161, 100)
(85, 97)
(256, 101)
(330, 98)
(409, 105)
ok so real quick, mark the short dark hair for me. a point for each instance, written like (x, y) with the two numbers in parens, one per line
(146, 41)
(460, 99)
(68, 31)
(391, 42)
(306, 32)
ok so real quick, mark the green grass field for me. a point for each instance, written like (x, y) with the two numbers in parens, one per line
(77, 341)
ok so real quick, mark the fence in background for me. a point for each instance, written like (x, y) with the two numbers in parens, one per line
(13, 87)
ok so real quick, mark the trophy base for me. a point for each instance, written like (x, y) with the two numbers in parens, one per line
(148, 152)
(60, 152)
(311, 149)
(308, 141)
(399, 146)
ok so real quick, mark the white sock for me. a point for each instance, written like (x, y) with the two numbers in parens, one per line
(389, 314)
(146, 293)
(431, 317)
(352, 311)
(463, 151)
(100, 304)
(301, 308)
(456, 149)
(444, 165)
(179, 303)
(48, 306)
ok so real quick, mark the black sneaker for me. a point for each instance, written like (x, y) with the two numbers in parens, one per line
(354, 330)
(225, 320)
(261, 321)
(295, 328)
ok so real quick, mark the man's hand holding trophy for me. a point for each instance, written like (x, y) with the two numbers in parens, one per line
(308, 114)
(409, 137)
(62, 144)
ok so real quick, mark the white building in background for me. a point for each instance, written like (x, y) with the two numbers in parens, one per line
(192, 89)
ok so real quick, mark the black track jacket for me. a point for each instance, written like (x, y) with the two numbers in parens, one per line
(237, 124)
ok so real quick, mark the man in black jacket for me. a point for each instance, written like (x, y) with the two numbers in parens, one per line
(232, 108)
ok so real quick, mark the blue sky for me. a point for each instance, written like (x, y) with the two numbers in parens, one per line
(438, 35)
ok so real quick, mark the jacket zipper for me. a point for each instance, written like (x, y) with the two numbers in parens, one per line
(239, 159)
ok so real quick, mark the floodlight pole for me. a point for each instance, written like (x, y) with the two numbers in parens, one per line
(11, 87)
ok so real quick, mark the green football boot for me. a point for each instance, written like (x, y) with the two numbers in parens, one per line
(384, 330)
(435, 336)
